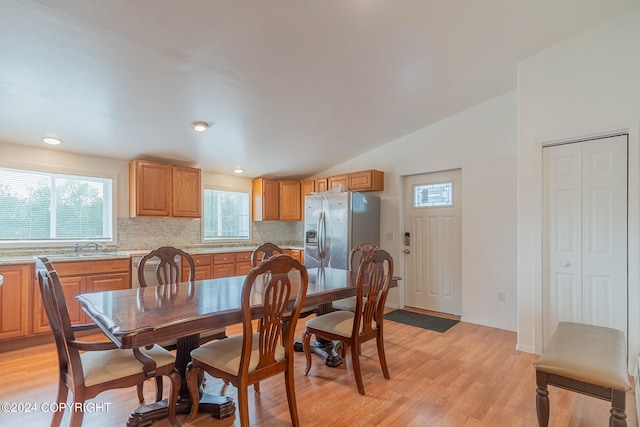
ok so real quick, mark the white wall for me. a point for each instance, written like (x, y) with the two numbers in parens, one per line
(587, 85)
(482, 142)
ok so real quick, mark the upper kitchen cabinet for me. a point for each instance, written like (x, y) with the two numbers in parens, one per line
(161, 189)
(277, 200)
(266, 200)
(187, 199)
(369, 180)
(339, 180)
(308, 187)
(290, 200)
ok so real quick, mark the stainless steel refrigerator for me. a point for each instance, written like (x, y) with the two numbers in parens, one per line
(336, 222)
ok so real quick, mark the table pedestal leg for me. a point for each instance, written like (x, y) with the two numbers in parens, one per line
(330, 351)
(218, 406)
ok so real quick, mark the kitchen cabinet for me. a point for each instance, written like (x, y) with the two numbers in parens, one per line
(187, 192)
(322, 185)
(362, 181)
(308, 187)
(224, 265)
(277, 200)
(14, 300)
(295, 254)
(339, 180)
(203, 267)
(266, 199)
(369, 180)
(243, 263)
(290, 200)
(77, 277)
(162, 189)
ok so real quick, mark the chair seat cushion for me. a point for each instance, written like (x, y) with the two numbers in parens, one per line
(587, 353)
(106, 365)
(225, 354)
(337, 322)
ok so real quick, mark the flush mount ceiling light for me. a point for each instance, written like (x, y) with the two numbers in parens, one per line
(200, 126)
(238, 170)
(51, 140)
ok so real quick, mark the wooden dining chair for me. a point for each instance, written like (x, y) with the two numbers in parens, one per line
(366, 323)
(356, 256)
(101, 365)
(264, 251)
(169, 261)
(254, 356)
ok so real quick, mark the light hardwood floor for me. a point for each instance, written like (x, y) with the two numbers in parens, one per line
(468, 376)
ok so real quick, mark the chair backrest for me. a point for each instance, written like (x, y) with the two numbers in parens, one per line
(276, 278)
(375, 271)
(264, 251)
(167, 271)
(58, 315)
(360, 252)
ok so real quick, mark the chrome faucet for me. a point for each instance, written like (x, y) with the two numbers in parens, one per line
(78, 247)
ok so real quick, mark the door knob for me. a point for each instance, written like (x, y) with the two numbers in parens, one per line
(566, 264)
(407, 251)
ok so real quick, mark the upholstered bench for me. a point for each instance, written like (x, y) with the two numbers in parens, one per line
(587, 359)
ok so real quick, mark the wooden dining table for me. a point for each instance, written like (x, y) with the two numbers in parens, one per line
(138, 317)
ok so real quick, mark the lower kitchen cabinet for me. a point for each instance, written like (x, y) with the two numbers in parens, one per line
(224, 265)
(295, 254)
(79, 277)
(243, 263)
(204, 267)
(14, 301)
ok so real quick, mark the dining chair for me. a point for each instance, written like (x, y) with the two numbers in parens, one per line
(89, 368)
(264, 251)
(365, 323)
(254, 356)
(356, 256)
(168, 262)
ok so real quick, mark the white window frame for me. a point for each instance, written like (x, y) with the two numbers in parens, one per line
(64, 243)
(227, 239)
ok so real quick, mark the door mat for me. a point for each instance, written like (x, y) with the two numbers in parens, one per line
(423, 321)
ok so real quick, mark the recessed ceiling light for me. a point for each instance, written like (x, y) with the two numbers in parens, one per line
(238, 170)
(52, 141)
(200, 126)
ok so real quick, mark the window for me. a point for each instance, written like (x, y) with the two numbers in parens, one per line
(225, 214)
(42, 206)
(428, 195)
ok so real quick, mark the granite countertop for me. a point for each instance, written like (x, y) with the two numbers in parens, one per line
(9, 258)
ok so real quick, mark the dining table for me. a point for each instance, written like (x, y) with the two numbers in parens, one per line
(139, 317)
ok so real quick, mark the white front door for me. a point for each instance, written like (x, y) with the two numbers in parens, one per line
(585, 234)
(433, 266)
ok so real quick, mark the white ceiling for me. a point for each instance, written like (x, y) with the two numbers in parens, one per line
(294, 87)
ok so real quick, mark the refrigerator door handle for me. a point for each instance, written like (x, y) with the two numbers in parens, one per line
(321, 235)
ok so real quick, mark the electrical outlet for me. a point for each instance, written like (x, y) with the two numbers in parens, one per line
(501, 296)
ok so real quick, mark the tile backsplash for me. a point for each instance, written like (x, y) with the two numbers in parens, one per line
(144, 233)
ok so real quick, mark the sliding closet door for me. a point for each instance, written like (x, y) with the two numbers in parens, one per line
(585, 234)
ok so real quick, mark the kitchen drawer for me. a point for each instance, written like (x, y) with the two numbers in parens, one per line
(224, 258)
(83, 268)
(243, 256)
(201, 259)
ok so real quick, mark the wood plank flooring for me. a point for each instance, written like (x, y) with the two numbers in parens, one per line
(468, 376)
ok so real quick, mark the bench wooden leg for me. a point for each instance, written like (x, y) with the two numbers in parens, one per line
(618, 416)
(542, 399)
